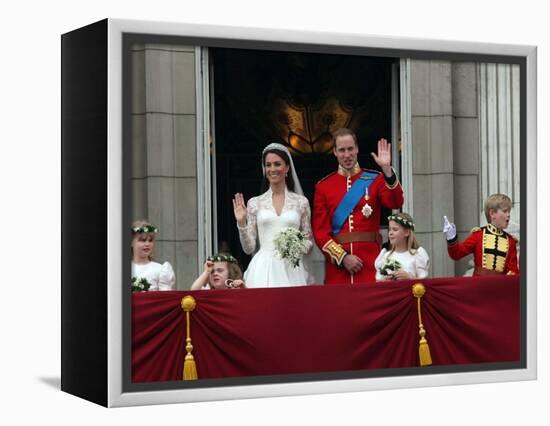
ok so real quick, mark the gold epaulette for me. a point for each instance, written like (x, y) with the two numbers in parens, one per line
(335, 251)
(475, 229)
(327, 176)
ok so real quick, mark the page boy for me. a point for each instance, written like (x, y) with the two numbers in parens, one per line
(494, 250)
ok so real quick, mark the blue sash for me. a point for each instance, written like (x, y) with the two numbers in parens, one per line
(350, 200)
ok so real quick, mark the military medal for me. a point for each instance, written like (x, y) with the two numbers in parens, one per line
(366, 210)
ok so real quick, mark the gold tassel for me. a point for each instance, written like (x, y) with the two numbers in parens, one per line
(423, 349)
(188, 304)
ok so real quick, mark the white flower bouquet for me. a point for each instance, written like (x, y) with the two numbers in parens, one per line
(290, 244)
(389, 266)
(140, 284)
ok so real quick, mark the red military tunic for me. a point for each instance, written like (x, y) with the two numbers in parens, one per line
(329, 191)
(494, 251)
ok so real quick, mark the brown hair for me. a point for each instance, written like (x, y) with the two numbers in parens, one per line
(234, 271)
(343, 131)
(288, 178)
(496, 202)
(412, 243)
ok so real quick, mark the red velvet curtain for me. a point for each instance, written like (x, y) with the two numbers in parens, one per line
(252, 332)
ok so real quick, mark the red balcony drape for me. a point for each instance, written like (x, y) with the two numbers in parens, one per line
(254, 332)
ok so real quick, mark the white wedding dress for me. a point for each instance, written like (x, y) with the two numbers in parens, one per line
(266, 269)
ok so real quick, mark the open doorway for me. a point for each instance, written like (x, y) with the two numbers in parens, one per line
(297, 99)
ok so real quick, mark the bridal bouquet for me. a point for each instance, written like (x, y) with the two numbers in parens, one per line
(290, 245)
(390, 265)
(140, 284)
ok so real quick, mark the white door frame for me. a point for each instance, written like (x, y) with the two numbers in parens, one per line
(206, 192)
(406, 135)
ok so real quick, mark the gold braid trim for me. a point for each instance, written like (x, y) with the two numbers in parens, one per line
(395, 184)
(188, 304)
(335, 251)
(419, 290)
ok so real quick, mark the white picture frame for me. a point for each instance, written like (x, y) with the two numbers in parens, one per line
(117, 393)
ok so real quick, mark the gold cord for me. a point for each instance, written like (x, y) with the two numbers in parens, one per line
(424, 355)
(188, 304)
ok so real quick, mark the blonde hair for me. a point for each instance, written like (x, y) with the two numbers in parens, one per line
(401, 218)
(497, 202)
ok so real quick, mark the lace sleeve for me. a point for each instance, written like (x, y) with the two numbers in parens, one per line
(247, 233)
(305, 223)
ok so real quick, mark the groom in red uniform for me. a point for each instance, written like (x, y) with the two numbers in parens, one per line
(346, 211)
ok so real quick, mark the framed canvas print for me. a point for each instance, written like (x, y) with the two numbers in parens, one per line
(365, 208)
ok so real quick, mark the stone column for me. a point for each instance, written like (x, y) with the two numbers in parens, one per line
(499, 133)
(164, 174)
(432, 157)
(464, 147)
(466, 164)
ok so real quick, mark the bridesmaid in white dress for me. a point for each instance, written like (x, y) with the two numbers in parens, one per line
(414, 260)
(160, 277)
(282, 205)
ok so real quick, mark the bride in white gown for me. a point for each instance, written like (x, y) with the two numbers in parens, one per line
(281, 206)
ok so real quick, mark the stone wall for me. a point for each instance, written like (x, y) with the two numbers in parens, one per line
(164, 174)
(465, 146)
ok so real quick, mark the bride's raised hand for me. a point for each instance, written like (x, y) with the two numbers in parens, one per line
(239, 209)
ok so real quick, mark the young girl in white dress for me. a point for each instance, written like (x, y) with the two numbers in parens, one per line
(156, 276)
(413, 260)
(281, 206)
(221, 271)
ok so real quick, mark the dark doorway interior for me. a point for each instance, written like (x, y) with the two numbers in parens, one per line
(296, 99)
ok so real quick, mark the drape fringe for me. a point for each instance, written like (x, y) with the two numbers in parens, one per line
(424, 355)
(188, 304)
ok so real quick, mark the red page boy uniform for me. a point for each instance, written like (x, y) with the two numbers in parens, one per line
(346, 219)
(494, 250)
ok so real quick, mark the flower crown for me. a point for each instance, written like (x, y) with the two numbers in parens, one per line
(402, 221)
(144, 229)
(222, 258)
